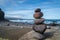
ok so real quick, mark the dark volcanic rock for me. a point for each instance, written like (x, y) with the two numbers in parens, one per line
(2, 14)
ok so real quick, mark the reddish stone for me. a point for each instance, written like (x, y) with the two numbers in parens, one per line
(38, 15)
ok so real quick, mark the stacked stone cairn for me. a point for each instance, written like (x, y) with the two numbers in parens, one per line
(39, 25)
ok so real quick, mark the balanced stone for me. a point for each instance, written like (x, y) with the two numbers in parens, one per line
(39, 28)
(38, 14)
(39, 21)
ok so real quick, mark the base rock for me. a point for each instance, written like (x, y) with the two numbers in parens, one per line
(32, 36)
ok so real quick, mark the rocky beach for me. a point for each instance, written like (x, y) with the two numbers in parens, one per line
(50, 34)
(12, 31)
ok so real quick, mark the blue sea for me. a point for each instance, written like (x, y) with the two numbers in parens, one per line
(47, 21)
(32, 21)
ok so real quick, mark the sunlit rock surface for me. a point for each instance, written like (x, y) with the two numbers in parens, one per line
(50, 34)
(31, 36)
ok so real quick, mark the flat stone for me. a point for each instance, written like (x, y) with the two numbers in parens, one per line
(32, 36)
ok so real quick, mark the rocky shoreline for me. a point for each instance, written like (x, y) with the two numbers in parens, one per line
(19, 32)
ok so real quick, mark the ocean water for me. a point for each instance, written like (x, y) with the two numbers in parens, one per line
(24, 21)
(32, 21)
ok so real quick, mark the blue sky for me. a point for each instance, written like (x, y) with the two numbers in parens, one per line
(25, 8)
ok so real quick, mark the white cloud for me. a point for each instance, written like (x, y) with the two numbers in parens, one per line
(20, 13)
(51, 13)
